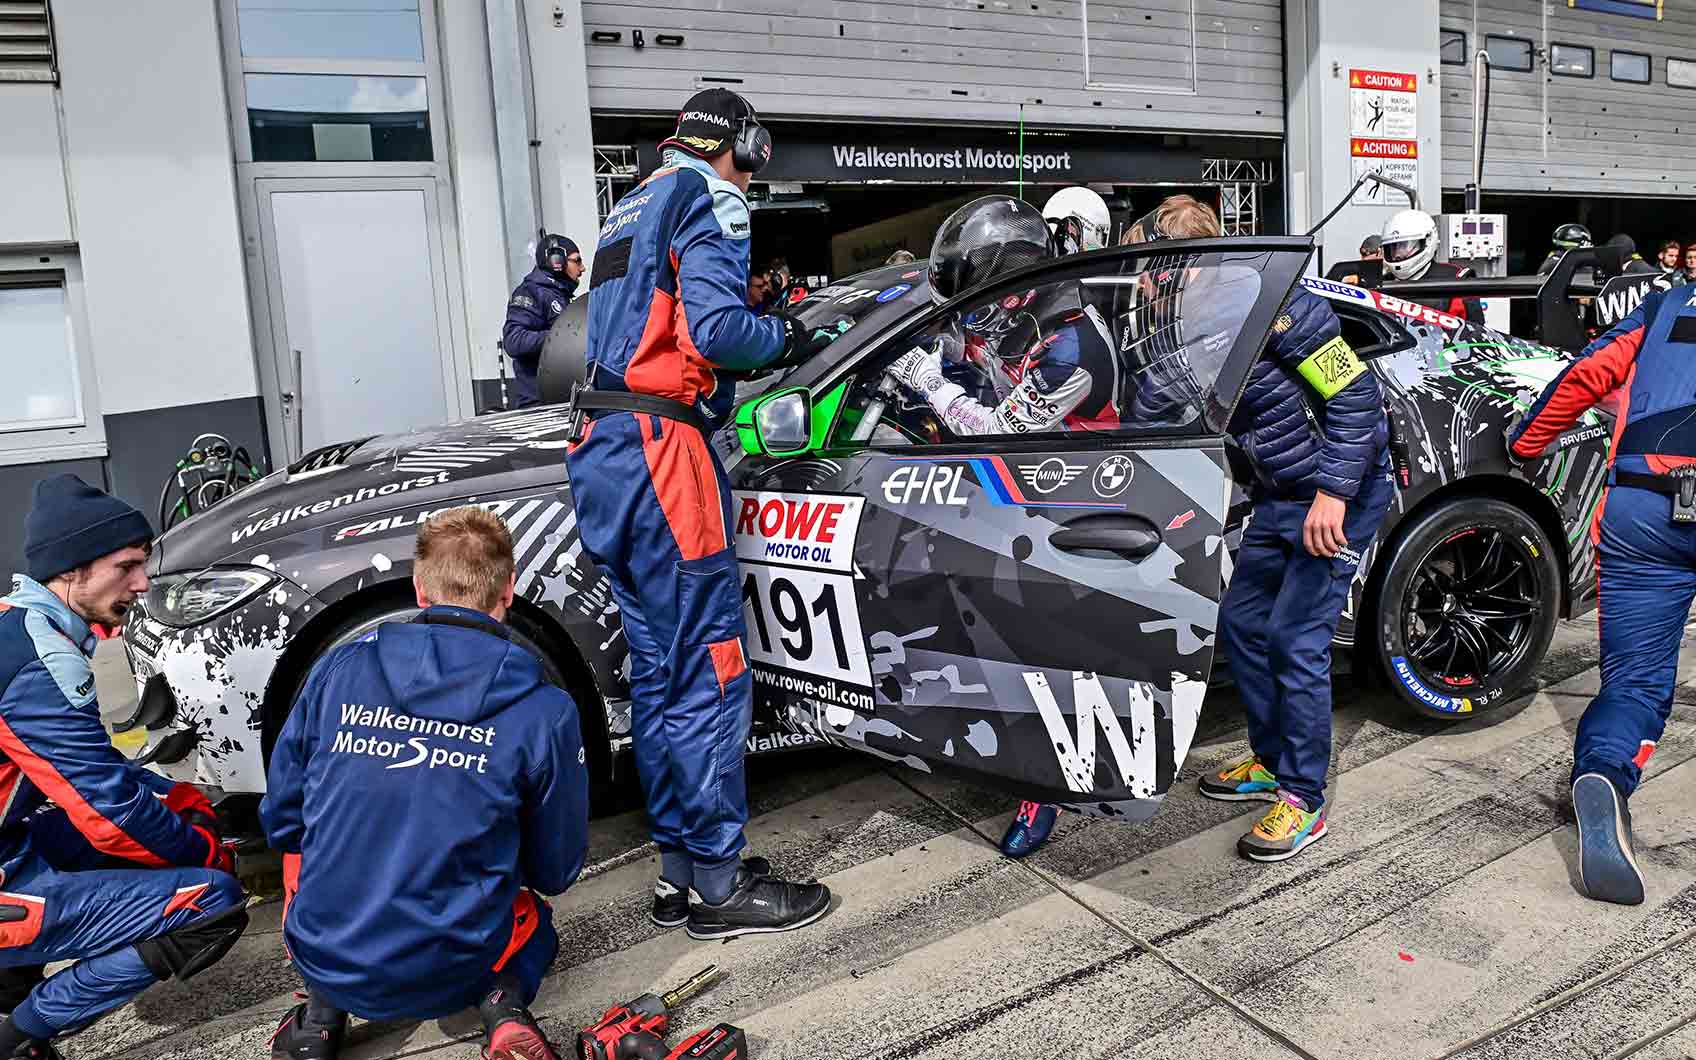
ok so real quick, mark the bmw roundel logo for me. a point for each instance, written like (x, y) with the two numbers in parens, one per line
(1113, 475)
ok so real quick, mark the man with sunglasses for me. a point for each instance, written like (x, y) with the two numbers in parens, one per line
(536, 303)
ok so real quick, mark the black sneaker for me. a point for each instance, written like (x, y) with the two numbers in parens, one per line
(671, 902)
(36, 1049)
(510, 1032)
(298, 1039)
(1607, 862)
(758, 905)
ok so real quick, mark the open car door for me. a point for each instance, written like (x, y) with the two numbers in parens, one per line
(1035, 608)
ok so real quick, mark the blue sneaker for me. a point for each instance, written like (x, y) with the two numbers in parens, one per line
(1607, 865)
(1030, 828)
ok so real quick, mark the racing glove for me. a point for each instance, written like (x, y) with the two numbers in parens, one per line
(800, 343)
(919, 370)
(192, 806)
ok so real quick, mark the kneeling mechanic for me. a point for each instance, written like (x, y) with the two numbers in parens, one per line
(444, 780)
(126, 874)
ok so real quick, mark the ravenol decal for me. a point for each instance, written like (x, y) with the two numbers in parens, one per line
(1411, 681)
(1333, 289)
(1001, 486)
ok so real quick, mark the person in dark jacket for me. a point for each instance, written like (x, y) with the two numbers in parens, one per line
(427, 789)
(1311, 423)
(536, 303)
(73, 889)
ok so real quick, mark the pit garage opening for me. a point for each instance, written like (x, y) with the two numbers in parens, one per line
(837, 200)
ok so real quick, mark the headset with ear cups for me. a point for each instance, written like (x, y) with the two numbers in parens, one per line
(751, 149)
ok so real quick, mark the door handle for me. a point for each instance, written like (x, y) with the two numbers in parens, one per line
(1129, 537)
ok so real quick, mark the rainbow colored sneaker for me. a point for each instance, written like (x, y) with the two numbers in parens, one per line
(1287, 829)
(1243, 781)
(1030, 828)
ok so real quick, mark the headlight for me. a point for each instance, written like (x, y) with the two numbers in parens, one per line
(189, 599)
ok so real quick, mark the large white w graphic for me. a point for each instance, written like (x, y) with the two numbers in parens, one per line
(1133, 766)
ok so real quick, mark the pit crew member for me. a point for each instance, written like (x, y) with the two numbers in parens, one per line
(670, 310)
(126, 874)
(444, 783)
(1410, 253)
(1645, 535)
(536, 303)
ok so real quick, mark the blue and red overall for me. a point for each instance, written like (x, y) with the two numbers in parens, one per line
(428, 783)
(1646, 563)
(60, 896)
(669, 306)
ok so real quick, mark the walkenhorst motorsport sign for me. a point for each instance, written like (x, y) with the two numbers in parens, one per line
(1046, 160)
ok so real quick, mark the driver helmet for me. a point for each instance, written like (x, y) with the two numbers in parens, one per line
(1079, 219)
(1410, 244)
(984, 239)
(551, 253)
(1572, 237)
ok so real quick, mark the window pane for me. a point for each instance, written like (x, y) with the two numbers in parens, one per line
(1681, 73)
(1509, 53)
(36, 360)
(1631, 66)
(1571, 60)
(338, 118)
(1453, 48)
(331, 29)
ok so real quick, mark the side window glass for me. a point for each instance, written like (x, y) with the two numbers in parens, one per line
(1137, 349)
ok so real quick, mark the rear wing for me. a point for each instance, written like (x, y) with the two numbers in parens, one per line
(1560, 320)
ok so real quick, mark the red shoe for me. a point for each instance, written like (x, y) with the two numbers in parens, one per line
(518, 1038)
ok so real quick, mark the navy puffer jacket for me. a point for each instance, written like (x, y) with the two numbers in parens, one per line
(1298, 440)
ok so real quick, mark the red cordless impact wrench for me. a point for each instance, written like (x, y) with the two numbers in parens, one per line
(721, 1042)
(633, 1030)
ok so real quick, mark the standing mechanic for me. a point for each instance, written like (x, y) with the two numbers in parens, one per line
(1645, 535)
(126, 874)
(1410, 253)
(536, 303)
(428, 783)
(1319, 498)
(669, 311)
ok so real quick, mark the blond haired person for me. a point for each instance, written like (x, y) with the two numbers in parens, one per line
(428, 784)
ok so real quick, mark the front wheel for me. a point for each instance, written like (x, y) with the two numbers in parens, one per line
(1469, 604)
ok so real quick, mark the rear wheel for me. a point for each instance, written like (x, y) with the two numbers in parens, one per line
(1468, 607)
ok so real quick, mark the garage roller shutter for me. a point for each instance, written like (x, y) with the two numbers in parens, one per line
(26, 41)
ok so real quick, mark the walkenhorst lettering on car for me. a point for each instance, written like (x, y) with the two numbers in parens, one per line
(302, 511)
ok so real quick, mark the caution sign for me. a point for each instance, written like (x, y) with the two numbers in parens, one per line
(1383, 132)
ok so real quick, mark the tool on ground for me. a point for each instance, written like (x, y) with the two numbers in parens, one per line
(719, 1042)
(633, 1030)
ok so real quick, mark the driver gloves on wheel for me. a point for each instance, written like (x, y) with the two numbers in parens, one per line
(919, 370)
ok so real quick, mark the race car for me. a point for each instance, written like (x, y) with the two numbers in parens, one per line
(1037, 611)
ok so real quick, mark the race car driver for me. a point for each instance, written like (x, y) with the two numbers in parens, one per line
(669, 310)
(1052, 348)
(1410, 253)
(76, 888)
(536, 303)
(1645, 535)
(1567, 237)
(428, 783)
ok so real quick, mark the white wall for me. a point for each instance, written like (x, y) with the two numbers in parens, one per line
(476, 180)
(153, 193)
(566, 158)
(1326, 38)
(34, 207)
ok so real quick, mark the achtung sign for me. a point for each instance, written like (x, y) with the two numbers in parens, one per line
(1383, 132)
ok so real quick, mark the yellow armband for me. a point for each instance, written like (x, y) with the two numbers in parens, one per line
(1331, 367)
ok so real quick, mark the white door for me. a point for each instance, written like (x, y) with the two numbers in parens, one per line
(359, 309)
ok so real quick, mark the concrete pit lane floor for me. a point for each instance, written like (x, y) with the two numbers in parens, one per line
(1437, 919)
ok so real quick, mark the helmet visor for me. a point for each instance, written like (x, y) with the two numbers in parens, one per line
(1403, 249)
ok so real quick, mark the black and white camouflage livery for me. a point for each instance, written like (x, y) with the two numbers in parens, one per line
(923, 604)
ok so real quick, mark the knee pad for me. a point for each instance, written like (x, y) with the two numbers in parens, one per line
(194, 948)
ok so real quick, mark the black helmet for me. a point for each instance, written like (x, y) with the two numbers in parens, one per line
(1572, 236)
(983, 239)
(552, 251)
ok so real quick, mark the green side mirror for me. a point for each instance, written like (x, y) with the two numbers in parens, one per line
(776, 424)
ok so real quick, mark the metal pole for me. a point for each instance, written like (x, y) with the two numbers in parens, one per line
(1480, 116)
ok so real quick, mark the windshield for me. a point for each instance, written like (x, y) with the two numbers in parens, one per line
(868, 297)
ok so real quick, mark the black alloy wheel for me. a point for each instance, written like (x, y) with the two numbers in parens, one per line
(1469, 605)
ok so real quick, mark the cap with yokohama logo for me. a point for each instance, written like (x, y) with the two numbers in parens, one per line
(709, 122)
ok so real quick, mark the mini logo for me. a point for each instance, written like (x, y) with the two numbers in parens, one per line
(1113, 475)
(1051, 474)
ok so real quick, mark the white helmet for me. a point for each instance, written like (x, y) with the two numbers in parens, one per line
(1410, 244)
(1079, 219)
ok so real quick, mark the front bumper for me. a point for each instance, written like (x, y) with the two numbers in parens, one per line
(216, 673)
